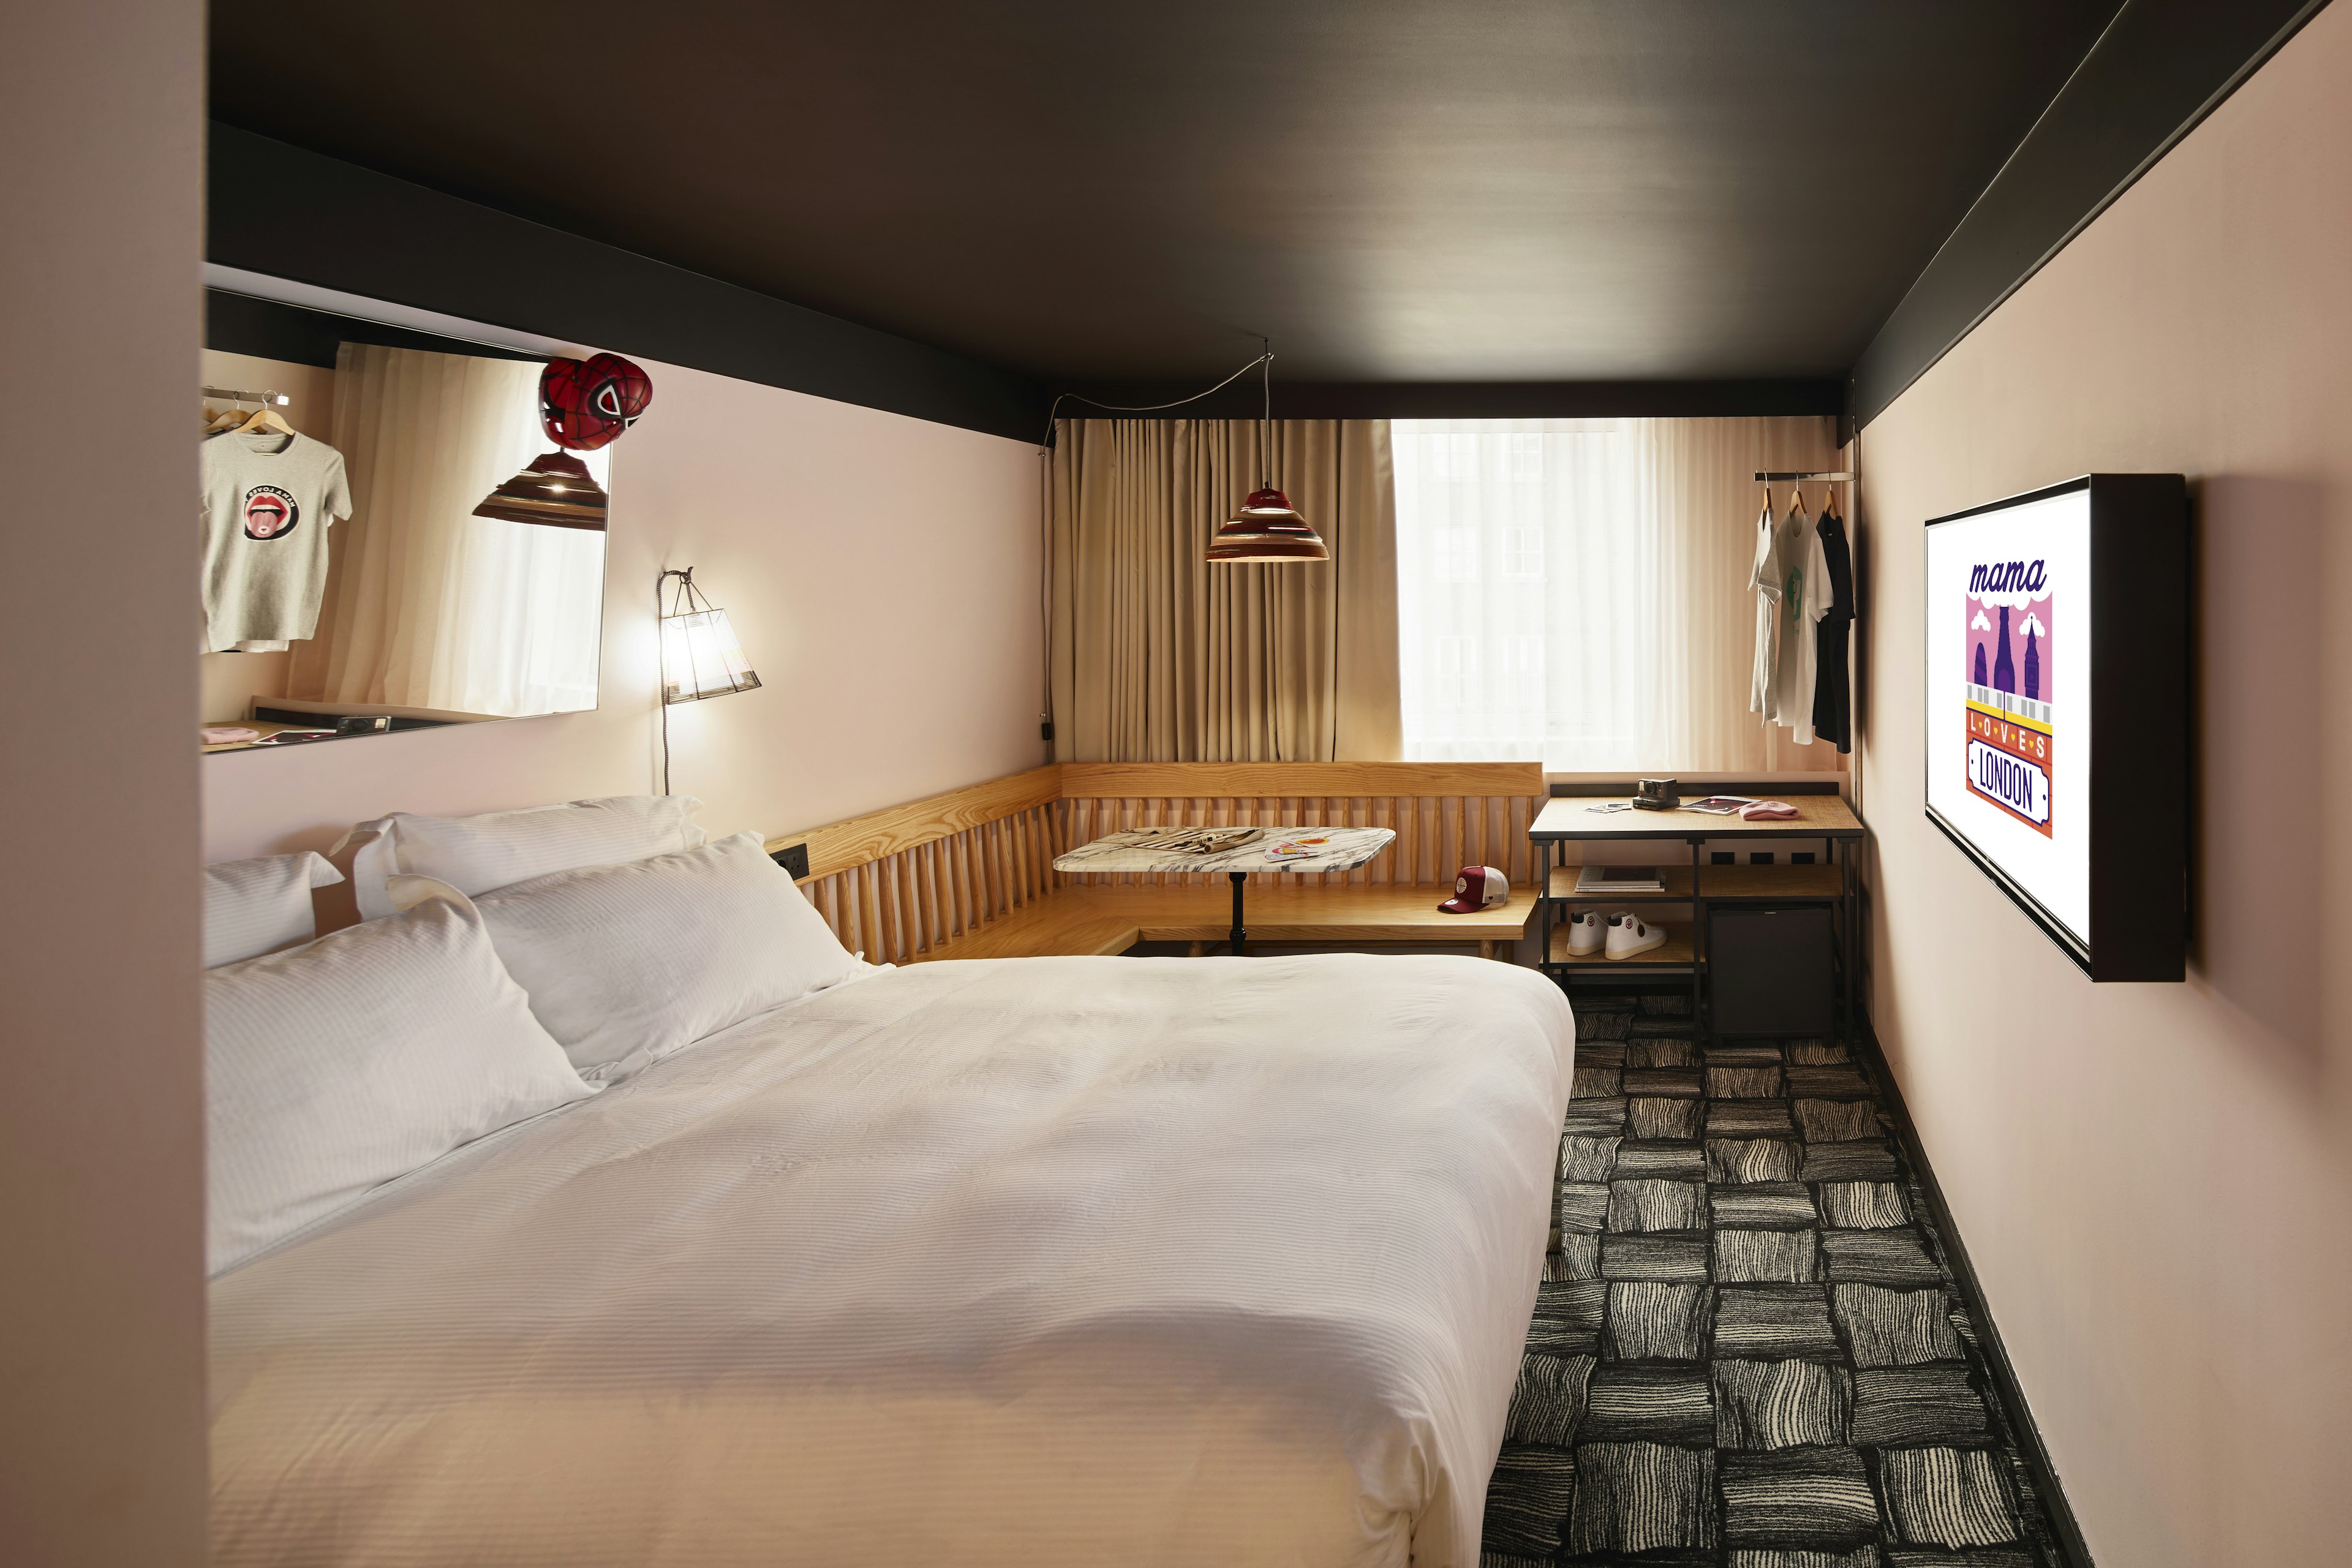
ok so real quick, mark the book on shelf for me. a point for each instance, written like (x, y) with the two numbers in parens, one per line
(1619, 879)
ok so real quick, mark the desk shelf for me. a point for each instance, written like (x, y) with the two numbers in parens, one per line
(1823, 819)
(1676, 880)
(1818, 883)
(1675, 954)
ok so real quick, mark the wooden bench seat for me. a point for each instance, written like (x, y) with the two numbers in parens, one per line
(1084, 920)
(969, 874)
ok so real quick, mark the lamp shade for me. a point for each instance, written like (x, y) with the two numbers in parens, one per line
(555, 490)
(1267, 528)
(702, 657)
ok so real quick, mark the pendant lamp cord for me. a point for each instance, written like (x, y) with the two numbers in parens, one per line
(1061, 398)
(1265, 440)
(661, 692)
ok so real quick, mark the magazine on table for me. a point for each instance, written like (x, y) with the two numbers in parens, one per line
(1619, 879)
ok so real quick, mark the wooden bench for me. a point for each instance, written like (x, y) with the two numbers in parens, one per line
(969, 874)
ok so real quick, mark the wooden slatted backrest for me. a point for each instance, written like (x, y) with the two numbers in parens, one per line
(899, 882)
(1446, 815)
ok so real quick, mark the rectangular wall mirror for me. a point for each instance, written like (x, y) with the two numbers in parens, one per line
(374, 557)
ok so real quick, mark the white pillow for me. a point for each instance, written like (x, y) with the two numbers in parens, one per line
(626, 964)
(336, 1066)
(475, 854)
(259, 906)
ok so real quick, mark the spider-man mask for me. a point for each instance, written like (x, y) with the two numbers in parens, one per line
(586, 405)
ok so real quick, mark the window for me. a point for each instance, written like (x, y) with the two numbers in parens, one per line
(1525, 450)
(1519, 683)
(1573, 592)
(1454, 553)
(1523, 552)
(1559, 502)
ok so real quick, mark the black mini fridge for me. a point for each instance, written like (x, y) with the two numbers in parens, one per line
(1772, 970)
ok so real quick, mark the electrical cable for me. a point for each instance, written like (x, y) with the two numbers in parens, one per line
(664, 695)
(1266, 357)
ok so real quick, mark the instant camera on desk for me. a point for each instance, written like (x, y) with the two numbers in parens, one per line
(1768, 947)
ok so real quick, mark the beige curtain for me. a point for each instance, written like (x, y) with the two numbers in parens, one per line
(1158, 656)
(426, 605)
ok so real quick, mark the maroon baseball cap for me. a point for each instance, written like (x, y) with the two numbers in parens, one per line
(1477, 887)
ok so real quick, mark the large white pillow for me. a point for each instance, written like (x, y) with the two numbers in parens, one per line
(332, 1069)
(475, 854)
(626, 964)
(261, 905)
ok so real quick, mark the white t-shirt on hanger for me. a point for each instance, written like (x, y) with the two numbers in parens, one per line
(267, 502)
(1804, 600)
(1764, 582)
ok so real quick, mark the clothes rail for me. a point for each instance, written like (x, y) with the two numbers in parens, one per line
(1763, 477)
(234, 395)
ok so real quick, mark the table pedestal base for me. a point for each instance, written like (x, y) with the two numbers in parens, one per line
(1240, 936)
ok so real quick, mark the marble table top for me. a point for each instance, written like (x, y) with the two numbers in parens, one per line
(1178, 849)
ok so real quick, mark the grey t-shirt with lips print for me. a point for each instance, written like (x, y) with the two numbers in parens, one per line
(269, 501)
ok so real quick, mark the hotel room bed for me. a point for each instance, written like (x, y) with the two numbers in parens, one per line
(1022, 1261)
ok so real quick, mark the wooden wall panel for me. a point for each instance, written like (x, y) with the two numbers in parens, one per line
(1162, 781)
(840, 845)
(897, 883)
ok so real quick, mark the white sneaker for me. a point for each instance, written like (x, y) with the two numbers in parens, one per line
(1630, 934)
(1584, 934)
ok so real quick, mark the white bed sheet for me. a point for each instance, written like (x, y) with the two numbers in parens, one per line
(1028, 1261)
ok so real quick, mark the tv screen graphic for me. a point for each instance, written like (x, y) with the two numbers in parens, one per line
(2057, 712)
(2009, 719)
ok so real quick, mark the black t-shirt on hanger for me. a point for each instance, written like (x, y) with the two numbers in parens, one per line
(1833, 691)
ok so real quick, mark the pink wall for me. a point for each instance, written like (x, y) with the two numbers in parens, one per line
(881, 571)
(101, 1049)
(2155, 1181)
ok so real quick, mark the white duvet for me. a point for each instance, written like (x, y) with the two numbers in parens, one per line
(1081, 1260)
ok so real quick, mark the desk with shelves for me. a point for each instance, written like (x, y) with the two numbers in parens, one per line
(1822, 818)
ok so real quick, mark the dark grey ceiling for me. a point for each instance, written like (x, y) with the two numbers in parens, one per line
(1393, 190)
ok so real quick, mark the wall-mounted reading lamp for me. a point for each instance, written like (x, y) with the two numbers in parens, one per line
(700, 656)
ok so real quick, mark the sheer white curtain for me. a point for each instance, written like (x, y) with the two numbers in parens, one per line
(427, 605)
(1573, 591)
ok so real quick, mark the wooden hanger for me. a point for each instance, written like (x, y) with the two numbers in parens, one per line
(265, 421)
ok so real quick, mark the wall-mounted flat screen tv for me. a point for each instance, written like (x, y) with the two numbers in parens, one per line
(2058, 717)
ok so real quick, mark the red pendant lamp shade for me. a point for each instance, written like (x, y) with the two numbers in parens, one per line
(1267, 528)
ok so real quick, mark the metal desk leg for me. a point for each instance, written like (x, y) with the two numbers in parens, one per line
(1240, 880)
(1850, 902)
(1701, 1019)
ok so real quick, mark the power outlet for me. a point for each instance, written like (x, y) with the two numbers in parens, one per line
(793, 858)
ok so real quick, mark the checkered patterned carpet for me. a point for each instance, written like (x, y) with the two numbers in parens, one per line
(1749, 1350)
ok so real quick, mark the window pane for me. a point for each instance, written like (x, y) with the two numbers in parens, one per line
(1526, 591)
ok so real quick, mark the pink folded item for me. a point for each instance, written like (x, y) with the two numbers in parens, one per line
(1767, 811)
(223, 735)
